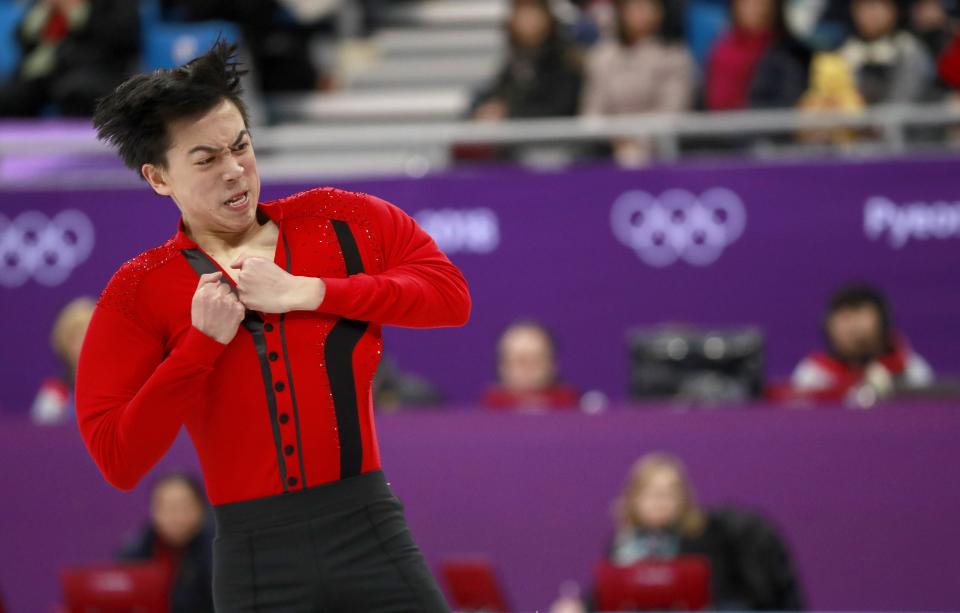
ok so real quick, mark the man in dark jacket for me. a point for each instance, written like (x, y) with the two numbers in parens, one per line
(72, 53)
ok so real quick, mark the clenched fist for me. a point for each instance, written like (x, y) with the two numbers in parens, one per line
(215, 310)
(265, 287)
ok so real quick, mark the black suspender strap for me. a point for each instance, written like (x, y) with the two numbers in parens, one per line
(202, 264)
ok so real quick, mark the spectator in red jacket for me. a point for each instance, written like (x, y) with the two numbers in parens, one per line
(528, 372)
(865, 357)
(734, 57)
(948, 66)
(935, 27)
(179, 537)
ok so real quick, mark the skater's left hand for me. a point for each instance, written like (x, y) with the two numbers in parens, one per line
(263, 286)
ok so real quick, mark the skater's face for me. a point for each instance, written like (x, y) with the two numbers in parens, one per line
(211, 172)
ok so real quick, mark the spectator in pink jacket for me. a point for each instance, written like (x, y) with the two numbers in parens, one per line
(734, 57)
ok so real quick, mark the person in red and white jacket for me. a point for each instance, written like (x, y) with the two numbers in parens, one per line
(528, 373)
(53, 403)
(864, 355)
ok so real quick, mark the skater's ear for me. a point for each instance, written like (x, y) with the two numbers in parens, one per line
(157, 178)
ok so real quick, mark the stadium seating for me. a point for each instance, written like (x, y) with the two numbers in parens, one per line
(10, 15)
(169, 43)
(705, 21)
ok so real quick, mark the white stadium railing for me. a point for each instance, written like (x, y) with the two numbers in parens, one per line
(312, 150)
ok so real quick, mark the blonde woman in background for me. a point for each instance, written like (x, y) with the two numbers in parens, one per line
(54, 401)
(658, 517)
(656, 511)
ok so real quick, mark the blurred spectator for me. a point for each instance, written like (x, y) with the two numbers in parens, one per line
(734, 57)
(72, 53)
(541, 75)
(948, 65)
(658, 517)
(865, 356)
(781, 75)
(932, 24)
(602, 14)
(179, 537)
(643, 70)
(528, 372)
(54, 401)
(394, 389)
(889, 63)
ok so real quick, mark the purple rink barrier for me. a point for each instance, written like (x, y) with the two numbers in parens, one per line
(591, 252)
(867, 500)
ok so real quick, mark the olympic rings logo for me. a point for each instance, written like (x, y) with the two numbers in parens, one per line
(678, 225)
(33, 245)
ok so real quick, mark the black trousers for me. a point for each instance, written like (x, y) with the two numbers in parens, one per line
(342, 547)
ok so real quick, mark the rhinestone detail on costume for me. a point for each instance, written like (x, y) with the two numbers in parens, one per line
(121, 291)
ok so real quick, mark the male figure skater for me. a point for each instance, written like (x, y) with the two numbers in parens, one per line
(258, 327)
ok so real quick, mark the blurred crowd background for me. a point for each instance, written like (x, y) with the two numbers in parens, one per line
(409, 91)
(378, 66)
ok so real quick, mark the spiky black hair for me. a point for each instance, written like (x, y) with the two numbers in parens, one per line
(134, 118)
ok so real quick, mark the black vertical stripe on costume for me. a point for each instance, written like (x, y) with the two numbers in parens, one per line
(348, 246)
(202, 264)
(339, 346)
(286, 360)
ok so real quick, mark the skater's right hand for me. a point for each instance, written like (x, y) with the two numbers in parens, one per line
(216, 311)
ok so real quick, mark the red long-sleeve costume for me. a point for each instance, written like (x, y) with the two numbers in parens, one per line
(287, 403)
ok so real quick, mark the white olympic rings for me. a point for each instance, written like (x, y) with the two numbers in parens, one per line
(32, 245)
(678, 225)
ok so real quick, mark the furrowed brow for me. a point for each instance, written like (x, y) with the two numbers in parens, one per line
(212, 149)
(206, 148)
(239, 138)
